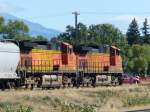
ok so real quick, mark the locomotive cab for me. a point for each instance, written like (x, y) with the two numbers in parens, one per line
(66, 50)
(114, 53)
(68, 57)
(115, 60)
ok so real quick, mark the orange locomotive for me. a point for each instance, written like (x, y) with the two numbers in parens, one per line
(62, 64)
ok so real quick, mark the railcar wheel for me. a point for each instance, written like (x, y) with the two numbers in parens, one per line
(32, 87)
(69, 84)
(10, 85)
(93, 81)
(87, 84)
(120, 80)
(83, 85)
(27, 86)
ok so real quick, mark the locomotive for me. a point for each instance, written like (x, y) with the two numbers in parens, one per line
(48, 65)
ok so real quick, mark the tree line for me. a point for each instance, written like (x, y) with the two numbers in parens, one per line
(18, 30)
(134, 45)
(137, 54)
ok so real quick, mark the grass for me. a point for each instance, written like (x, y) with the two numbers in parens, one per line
(137, 100)
(100, 99)
(9, 107)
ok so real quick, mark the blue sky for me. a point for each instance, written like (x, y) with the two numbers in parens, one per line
(58, 13)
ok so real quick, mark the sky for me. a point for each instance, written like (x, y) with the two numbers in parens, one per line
(57, 14)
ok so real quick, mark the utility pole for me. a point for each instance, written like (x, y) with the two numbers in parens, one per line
(76, 18)
(76, 23)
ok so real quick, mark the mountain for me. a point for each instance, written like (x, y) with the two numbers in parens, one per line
(35, 28)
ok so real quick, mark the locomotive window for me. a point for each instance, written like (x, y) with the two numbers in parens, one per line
(70, 50)
(107, 49)
(101, 50)
(112, 51)
(64, 49)
(104, 49)
(118, 52)
(55, 47)
(67, 50)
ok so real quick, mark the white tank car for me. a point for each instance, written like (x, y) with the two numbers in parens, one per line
(9, 59)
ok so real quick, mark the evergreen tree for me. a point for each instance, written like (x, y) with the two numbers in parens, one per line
(133, 34)
(145, 31)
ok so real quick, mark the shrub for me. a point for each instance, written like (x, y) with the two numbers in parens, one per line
(136, 101)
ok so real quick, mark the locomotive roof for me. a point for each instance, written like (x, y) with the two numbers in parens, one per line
(114, 47)
(27, 45)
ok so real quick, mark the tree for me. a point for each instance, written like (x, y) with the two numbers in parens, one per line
(93, 35)
(19, 36)
(2, 26)
(105, 34)
(145, 31)
(140, 65)
(127, 54)
(133, 34)
(82, 35)
(137, 59)
(39, 38)
(68, 36)
(16, 28)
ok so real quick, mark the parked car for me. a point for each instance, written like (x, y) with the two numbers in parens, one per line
(127, 79)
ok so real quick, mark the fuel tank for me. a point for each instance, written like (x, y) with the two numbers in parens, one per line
(9, 60)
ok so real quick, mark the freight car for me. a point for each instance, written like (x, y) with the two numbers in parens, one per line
(46, 65)
(9, 59)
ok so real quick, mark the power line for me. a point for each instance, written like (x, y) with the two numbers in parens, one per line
(51, 16)
(114, 13)
(56, 15)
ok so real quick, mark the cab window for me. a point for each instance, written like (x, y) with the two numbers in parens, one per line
(117, 52)
(112, 52)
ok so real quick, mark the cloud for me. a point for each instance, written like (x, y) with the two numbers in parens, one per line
(7, 8)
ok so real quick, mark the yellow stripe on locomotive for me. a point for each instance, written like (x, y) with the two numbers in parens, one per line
(43, 60)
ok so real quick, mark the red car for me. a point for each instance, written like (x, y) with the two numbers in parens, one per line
(126, 79)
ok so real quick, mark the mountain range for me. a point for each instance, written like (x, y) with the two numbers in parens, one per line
(35, 28)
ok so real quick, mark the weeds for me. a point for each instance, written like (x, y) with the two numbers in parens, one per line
(103, 96)
(9, 107)
(73, 100)
(70, 107)
(136, 101)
